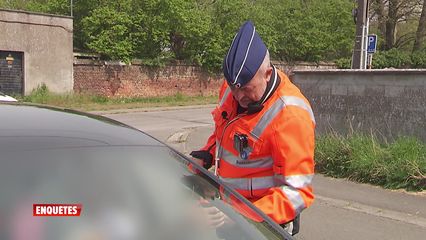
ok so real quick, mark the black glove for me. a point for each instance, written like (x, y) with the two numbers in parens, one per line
(205, 156)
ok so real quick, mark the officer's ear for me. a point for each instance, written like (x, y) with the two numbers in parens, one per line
(268, 73)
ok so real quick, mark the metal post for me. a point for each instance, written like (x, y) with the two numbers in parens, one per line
(71, 8)
(364, 50)
(369, 60)
(358, 57)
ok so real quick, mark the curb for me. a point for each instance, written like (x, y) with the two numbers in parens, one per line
(151, 109)
(374, 211)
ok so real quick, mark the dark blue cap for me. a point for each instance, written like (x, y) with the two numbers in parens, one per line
(244, 57)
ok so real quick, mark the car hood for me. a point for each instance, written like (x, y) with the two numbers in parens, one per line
(64, 125)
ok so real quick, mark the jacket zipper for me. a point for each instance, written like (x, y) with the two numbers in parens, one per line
(219, 151)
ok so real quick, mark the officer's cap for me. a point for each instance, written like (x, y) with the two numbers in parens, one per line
(244, 57)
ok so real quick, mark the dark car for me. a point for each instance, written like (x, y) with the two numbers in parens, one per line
(129, 185)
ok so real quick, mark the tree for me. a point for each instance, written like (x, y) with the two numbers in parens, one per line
(14, 4)
(391, 13)
(314, 30)
(378, 7)
(108, 30)
(419, 43)
(200, 31)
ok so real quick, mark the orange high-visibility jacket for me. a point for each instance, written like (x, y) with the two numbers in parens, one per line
(277, 174)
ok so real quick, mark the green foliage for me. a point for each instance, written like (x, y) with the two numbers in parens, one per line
(393, 58)
(401, 164)
(314, 30)
(332, 156)
(407, 166)
(200, 31)
(87, 102)
(108, 33)
(418, 59)
(344, 63)
(61, 7)
(40, 94)
(14, 4)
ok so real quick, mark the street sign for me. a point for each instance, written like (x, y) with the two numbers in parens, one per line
(371, 43)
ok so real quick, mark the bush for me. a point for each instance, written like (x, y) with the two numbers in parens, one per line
(393, 58)
(344, 63)
(418, 59)
(401, 164)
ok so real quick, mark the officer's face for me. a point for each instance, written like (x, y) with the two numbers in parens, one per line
(254, 89)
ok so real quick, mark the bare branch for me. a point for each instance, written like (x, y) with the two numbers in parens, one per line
(404, 39)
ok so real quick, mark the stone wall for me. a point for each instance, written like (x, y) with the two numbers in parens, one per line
(116, 80)
(119, 80)
(387, 103)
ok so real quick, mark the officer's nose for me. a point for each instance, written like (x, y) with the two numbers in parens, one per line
(238, 94)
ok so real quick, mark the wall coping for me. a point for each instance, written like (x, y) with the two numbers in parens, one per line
(35, 13)
(138, 62)
(362, 71)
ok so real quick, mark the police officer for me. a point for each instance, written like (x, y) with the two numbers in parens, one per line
(263, 141)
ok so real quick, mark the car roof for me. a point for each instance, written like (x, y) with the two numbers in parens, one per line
(25, 120)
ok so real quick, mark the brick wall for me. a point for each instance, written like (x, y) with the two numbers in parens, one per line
(112, 79)
(137, 80)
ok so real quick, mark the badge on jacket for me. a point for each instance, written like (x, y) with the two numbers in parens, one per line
(241, 145)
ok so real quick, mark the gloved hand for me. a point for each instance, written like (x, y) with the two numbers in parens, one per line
(215, 218)
(205, 157)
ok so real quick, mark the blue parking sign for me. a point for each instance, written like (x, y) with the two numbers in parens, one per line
(371, 43)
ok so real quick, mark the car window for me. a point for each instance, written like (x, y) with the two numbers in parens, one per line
(125, 192)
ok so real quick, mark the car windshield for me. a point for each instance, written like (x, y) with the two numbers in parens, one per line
(143, 192)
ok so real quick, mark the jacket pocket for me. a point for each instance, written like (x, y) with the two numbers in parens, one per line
(254, 145)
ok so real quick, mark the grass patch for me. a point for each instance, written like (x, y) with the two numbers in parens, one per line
(362, 158)
(85, 102)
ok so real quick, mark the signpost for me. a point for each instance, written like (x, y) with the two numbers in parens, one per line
(371, 48)
(372, 43)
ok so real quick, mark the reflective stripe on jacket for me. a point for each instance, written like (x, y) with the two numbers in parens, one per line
(277, 175)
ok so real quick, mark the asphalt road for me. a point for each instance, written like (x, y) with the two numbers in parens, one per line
(342, 210)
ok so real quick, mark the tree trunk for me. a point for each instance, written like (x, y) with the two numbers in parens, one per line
(391, 24)
(379, 9)
(421, 30)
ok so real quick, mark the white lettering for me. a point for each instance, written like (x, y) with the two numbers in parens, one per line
(53, 210)
(74, 210)
(43, 210)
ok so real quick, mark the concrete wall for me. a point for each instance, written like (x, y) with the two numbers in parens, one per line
(46, 41)
(386, 102)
